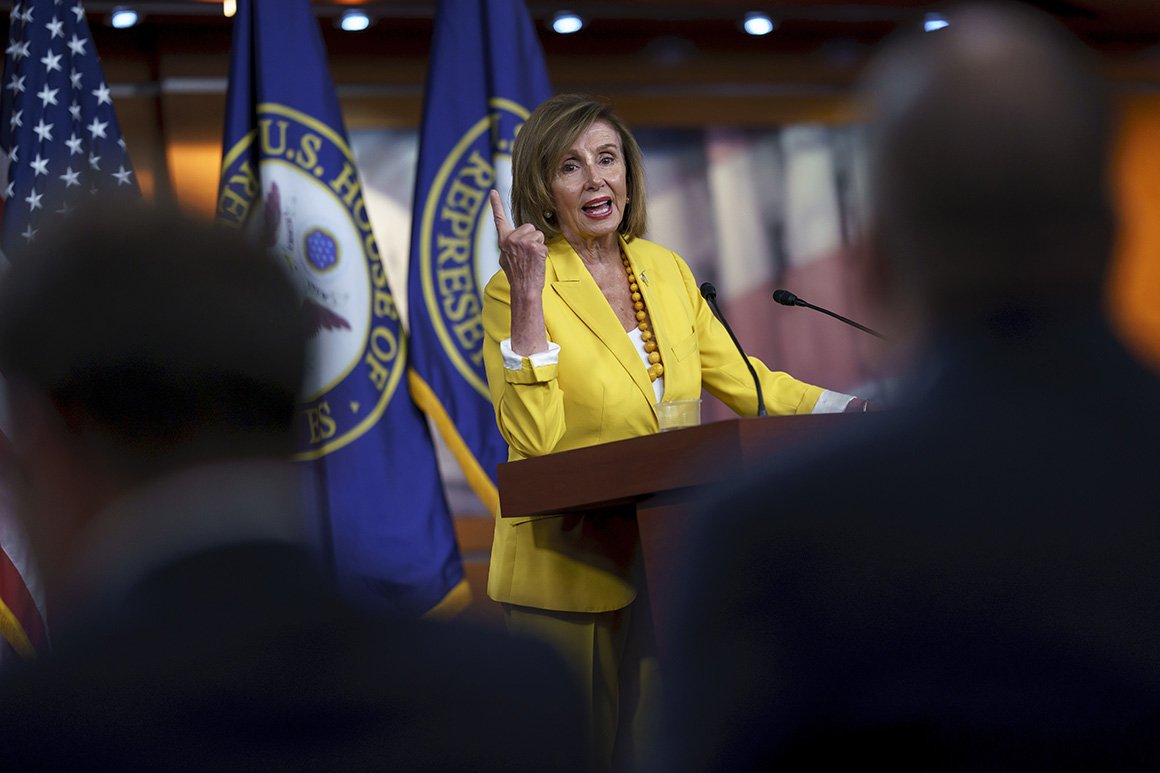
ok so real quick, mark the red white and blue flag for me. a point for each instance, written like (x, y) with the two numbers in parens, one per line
(59, 138)
(60, 144)
(22, 630)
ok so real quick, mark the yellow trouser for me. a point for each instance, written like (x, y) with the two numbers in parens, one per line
(613, 655)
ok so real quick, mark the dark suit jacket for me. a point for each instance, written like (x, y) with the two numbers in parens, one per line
(969, 581)
(243, 658)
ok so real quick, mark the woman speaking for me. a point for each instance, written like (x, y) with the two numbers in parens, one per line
(588, 327)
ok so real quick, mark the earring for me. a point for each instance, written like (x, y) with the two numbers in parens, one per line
(549, 215)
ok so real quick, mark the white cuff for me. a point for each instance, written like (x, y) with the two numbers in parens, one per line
(832, 402)
(513, 361)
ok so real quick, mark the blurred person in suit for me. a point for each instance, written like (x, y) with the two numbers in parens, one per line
(977, 588)
(153, 366)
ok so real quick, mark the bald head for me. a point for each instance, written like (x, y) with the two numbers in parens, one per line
(989, 155)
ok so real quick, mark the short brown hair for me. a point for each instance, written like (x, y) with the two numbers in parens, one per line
(168, 341)
(544, 139)
(1011, 207)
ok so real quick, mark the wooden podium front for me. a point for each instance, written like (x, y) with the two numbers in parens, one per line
(662, 478)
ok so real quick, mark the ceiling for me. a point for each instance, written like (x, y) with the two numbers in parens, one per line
(654, 48)
(1101, 21)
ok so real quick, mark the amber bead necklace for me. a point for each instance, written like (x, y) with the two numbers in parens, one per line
(655, 369)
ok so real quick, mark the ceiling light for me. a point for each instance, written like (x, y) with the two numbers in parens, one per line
(123, 18)
(567, 22)
(354, 21)
(934, 21)
(757, 23)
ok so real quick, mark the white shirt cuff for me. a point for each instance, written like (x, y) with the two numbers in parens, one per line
(513, 361)
(832, 402)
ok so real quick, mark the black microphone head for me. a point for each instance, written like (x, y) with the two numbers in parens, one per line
(708, 291)
(785, 298)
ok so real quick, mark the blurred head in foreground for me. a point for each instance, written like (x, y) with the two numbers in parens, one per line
(989, 154)
(934, 610)
(135, 344)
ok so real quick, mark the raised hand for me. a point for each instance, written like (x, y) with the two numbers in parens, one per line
(522, 256)
(522, 252)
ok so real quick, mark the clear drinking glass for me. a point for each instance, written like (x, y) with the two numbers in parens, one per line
(678, 414)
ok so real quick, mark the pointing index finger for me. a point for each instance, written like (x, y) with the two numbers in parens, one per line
(502, 227)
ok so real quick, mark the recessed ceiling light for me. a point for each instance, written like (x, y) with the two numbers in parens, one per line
(123, 18)
(567, 22)
(757, 23)
(934, 21)
(354, 21)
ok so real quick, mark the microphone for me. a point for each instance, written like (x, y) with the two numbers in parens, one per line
(786, 298)
(709, 293)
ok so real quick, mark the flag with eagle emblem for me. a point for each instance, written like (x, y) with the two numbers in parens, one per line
(289, 180)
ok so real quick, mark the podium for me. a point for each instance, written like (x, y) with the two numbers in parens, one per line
(660, 478)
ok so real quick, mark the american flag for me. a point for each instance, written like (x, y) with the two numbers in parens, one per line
(59, 138)
(59, 145)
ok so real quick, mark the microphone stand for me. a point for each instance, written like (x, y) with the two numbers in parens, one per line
(786, 298)
(709, 293)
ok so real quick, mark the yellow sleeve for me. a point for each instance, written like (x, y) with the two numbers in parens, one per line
(529, 406)
(723, 372)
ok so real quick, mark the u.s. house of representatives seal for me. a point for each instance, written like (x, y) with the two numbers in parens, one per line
(458, 249)
(304, 203)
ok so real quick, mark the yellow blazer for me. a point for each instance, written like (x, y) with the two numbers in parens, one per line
(597, 393)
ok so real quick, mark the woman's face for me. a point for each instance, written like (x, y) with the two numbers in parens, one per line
(590, 185)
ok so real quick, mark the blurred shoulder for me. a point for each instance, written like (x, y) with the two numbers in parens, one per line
(829, 475)
(456, 692)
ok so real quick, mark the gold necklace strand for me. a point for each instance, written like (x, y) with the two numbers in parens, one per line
(655, 369)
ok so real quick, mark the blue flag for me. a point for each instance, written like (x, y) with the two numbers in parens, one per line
(289, 180)
(487, 73)
(59, 139)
